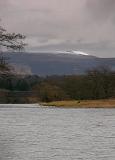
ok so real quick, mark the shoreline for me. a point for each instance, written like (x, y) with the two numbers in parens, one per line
(104, 103)
(33, 105)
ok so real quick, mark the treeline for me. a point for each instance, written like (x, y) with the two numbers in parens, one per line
(13, 82)
(98, 83)
(17, 88)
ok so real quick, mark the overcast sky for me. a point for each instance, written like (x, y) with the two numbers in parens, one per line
(85, 25)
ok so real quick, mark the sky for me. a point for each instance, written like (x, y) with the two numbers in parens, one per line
(84, 25)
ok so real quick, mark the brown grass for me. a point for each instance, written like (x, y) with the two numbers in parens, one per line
(108, 103)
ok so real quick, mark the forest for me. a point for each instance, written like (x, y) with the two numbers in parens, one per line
(98, 83)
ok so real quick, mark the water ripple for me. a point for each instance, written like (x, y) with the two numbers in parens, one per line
(31, 133)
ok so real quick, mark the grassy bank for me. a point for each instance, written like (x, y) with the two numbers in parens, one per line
(108, 103)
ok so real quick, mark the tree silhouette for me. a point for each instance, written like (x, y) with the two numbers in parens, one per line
(11, 40)
(8, 41)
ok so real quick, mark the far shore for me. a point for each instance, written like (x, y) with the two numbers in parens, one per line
(104, 103)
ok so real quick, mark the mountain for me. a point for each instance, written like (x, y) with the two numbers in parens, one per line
(57, 62)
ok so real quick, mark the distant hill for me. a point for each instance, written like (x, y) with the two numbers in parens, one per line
(57, 63)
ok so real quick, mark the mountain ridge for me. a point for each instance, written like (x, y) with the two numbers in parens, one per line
(49, 63)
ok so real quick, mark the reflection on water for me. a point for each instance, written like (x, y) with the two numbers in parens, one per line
(57, 134)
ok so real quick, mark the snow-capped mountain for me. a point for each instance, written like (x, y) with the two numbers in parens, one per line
(58, 62)
(73, 52)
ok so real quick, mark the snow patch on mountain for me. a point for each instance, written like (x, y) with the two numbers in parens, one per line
(73, 52)
(80, 53)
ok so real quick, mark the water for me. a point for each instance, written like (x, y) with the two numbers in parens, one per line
(56, 134)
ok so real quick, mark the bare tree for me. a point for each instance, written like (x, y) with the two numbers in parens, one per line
(8, 41)
(11, 40)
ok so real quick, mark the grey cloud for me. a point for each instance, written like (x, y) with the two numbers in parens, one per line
(101, 9)
(43, 11)
(4, 3)
(101, 49)
(78, 24)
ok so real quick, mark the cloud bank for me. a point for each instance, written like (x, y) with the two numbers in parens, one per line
(86, 25)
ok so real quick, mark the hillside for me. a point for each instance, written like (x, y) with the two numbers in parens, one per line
(57, 63)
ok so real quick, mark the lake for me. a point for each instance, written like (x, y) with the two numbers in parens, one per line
(30, 132)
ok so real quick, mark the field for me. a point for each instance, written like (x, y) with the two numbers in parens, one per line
(106, 103)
